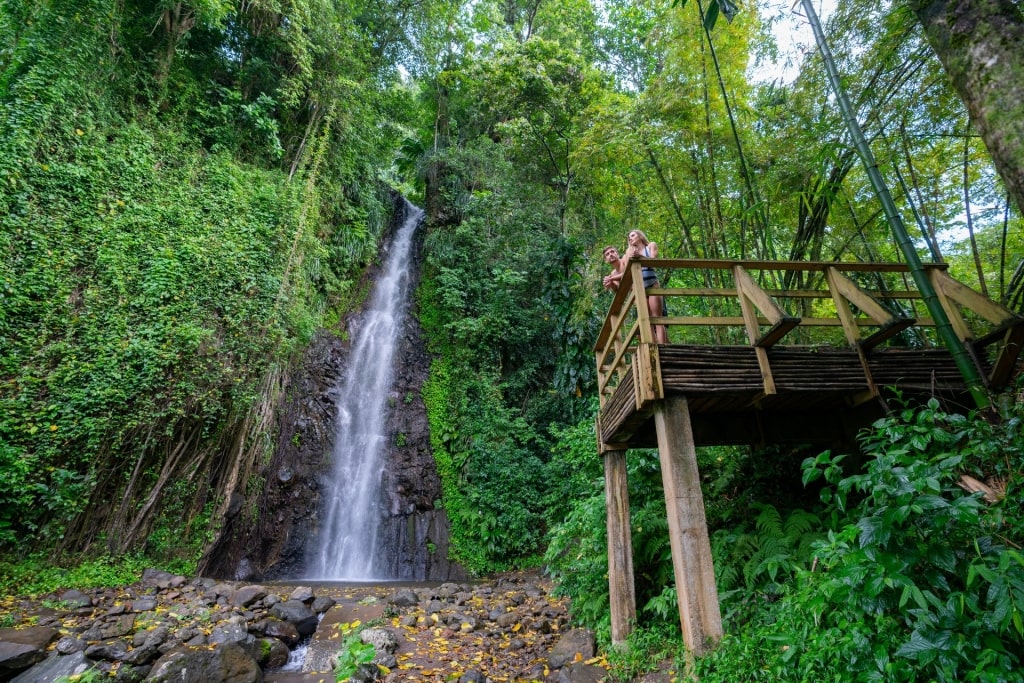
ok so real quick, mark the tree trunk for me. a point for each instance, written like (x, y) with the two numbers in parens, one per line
(979, 44)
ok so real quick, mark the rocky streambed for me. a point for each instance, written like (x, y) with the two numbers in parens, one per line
(172, 628)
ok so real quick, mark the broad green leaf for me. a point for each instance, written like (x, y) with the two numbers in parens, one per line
(915, 647)
(711, 15)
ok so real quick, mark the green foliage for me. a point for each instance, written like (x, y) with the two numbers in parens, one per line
(645, 648)
(93, 675)
(577, 554)
(496, 306)
(919, 581)
(577, 559)
(353, 653)
(754, 565)
(164, 255)
(38, 574)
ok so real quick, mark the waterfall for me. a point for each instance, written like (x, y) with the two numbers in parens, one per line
(352, 508)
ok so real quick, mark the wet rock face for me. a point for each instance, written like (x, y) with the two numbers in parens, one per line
(270, 538)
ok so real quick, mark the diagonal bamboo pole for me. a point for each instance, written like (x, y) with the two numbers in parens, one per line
(942, 325)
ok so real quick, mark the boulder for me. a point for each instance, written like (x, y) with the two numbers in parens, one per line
(54, 667)
(578, 641)
(382, 639)
(221, 590)
(110, 628)
(234, 631)
(275, 628)
(154, 638)
(76, 599)
(272, 653)
(302, 594)
(110, 650)
(21, 648)
(322, 604)
(297, 613)
(141, 656)
(225, 664)
(507, 620)
(247, 595)
(157, 578)
(69, 645)
(17, 656)
(365, 673)
(145, 604)
(405, 597)
(582, 673)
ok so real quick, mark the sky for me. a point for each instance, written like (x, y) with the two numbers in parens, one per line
(792, 33)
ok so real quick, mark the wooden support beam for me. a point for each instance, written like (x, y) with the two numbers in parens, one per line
(1006, 361)
(747, 288)
(699, 612)
(996, 314)
(621, 586)
(846, 292)
(1008, 324)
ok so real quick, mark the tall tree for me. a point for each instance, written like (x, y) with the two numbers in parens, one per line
(979, 44)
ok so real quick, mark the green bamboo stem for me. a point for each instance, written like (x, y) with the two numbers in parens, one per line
(943, 327)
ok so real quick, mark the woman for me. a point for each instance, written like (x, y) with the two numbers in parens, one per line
(641, 247)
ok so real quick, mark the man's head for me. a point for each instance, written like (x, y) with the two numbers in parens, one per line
(611, 254)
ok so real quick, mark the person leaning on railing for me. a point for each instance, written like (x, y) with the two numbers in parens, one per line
(612, 258)
(641, 247)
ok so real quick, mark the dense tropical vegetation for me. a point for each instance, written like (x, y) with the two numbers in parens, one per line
(191, 189)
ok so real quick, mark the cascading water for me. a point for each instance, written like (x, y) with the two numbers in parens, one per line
(352, 509)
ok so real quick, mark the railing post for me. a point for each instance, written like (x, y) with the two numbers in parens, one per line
(643, 314)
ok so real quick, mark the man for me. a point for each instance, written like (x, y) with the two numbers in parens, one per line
(612, 258)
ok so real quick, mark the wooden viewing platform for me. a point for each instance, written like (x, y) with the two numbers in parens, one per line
(767, 352)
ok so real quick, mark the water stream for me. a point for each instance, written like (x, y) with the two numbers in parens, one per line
(348, 539)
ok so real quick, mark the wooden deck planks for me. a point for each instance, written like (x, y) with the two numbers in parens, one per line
(724, 387)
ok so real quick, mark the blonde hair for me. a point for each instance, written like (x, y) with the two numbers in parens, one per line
(643, 237)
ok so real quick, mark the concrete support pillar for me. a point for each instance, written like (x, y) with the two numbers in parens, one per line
(699, 612)
(621, 589)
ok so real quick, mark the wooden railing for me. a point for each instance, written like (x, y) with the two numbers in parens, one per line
(744, 302)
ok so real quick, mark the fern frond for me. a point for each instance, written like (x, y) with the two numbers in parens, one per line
(800, 522)
(769, 521)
